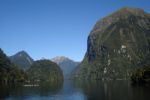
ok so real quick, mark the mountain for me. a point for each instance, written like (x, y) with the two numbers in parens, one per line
(138, 78)
(8, 71)
(118, 44)
(67, 65)
(22, 59)
(45, 70)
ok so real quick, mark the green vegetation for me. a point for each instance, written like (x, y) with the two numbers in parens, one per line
(141, 75)
(22, 59)
(45, 70)
(8, 71)
(117, 44)
(40, 71)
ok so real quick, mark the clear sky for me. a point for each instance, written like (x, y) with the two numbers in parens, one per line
(49, 28)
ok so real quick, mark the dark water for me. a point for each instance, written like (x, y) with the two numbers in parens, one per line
(77, 90)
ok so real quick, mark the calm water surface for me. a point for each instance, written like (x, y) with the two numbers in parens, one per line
(77, 90)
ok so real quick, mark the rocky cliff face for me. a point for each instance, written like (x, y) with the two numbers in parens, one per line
(117, 44)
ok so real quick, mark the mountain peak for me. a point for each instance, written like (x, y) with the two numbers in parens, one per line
(22, 53)
(22, 59)
(67, 65)
(127, 11)
(115, 45)
(59, 59)
(123, 14)
(131, 10)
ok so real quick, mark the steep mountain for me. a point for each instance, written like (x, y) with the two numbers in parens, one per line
(67, 65)
(117, 44)
(8, 71)
(22, 59)
(45, 70)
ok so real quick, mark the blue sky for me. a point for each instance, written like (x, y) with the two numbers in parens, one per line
(49, 28)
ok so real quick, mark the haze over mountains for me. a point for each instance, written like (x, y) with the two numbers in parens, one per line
(117, 44)
(23, 60)
(66, 64)
(74, 50)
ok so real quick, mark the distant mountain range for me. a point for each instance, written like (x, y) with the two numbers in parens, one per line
(34, 71)
(66, 64)
(22, 59)
(118, 45)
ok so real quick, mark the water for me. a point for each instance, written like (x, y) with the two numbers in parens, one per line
(77, 90)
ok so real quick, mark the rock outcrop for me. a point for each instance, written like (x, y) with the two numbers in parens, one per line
(117, 44)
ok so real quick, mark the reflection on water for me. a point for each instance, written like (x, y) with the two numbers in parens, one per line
(113, 90)
(76, 90)
(20, 92)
